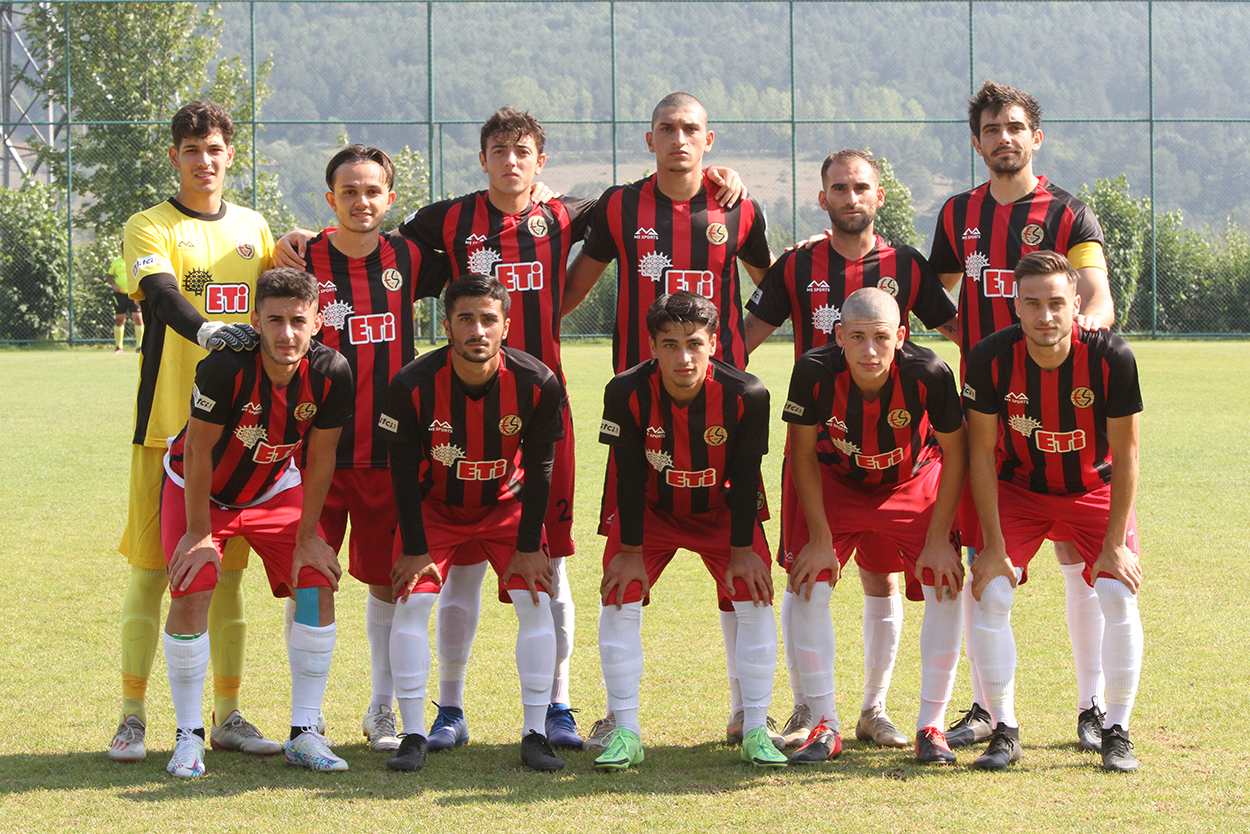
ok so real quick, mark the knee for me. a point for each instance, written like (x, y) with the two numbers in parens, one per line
(1117, 601)
(995, 603)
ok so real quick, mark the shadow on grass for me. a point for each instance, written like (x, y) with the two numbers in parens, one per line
(475, 774)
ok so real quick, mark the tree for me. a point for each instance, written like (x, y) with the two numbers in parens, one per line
(32, 261)
(1126, 229)
(896, 219)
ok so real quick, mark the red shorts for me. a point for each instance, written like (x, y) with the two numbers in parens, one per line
(706, 534)
(559, 520)
(268, 527)
(886, 526)
(367, 497)
(1028, 518)
(466, 536)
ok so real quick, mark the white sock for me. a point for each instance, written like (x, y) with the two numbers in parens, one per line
(186, 662)
(969, 604)
(309, 651)
(620, 657)
(562, 617)
(756, 661)
(459, 609)
(940, 635)
(378, 618)
(535, 657)
(883, 625)
(792, 668)
(815, 649)
(1085, 627)
(1122, 644)
(729, 633)
(410, 658)
(288, 617)
(996, 649)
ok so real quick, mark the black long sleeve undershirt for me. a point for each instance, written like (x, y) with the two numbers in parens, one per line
(536, 460)
(160, 290)
(406, 480)
(744, 483)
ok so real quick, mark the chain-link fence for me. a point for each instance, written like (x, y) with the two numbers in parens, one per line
(1145, 117)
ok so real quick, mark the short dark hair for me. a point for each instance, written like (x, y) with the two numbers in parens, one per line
(360, 153)
(286, 282)
(1042, 263)
(846, 155)
(678, 100)
(200, 118)
(474, 285)
(682, 307)
(514, 126)
(995, 98)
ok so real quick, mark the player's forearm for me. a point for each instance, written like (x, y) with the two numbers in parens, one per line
(1125, 470)
(983, 481)
(809, 484)
(757, 330)
(536, 459)
(757, 273)
(169, 305)
(950, 490)
(1097, 304)
(197, 479)
(582, 276)
(316, 476)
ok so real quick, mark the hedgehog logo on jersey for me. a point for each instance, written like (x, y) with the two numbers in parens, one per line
(844, 446)
(447, 453)
(335, 314)
(1025, 425)
(249, 436)
(482, 261)
(196, 280)
(654, 265)
(973, 265)
(659, 460)
(825, 317)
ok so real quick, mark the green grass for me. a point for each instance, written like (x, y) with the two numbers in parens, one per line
(66, 429)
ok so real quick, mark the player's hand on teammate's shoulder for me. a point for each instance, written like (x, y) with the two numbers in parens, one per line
(216, 335)
(1120, 562)
(731, 188)
(190, 556)
(745, 564)
(809, 242)
(814, 558)
(290, 249)
(313, 552)
(987, 565)
(408, 570)
(940, 558)
(541, 193)
(622, 569)
(534, 568)
(1091, 322)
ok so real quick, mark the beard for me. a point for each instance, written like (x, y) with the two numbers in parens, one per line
(851, 226)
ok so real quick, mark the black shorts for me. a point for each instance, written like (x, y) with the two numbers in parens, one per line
(124, 304)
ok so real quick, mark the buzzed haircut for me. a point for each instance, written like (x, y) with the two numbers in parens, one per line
(678, 100)
(353, 154)
(870, 304)
(995, 98)
(286, 282)
(682, 307)
(846, 155)
(197, 119)
(1043, 263)
(474, 285)
(513, 126)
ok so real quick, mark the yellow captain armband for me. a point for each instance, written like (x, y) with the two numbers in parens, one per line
(1088, 254)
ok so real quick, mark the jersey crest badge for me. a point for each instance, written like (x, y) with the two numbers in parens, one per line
(646, 234)
(825, 317)
(537, 225)
(717, 234)
(653, 266)
(888, 285)
(659, 460)
(509, 425)
(1082, 397)
(305, 411)
(1032, 234)
(715, 435)
(899, 418)
(447, 454)
(334, 315)
(246, 249)
(392, 280)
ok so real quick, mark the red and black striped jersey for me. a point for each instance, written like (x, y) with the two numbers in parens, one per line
(1052, 435)
(983, 240)
(527, 252)
(263, 426)
(810, 286)
(366, 311)
(889, 439)
(663, 247)
(689, 450)
(468, 442)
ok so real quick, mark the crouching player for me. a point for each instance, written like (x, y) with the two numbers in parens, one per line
(1051, 407)
(897, 472)
(459, 418)
(230, 472)
(687, 433)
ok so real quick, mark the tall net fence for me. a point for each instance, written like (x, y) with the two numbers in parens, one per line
(1145, 118)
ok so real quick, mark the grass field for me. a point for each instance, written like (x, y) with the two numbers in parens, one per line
(66, 426)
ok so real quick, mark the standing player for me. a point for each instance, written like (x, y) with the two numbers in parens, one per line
(810, 286)
(668, 234)
(123, 305)
(1053, 433)
(192, 257)
(474, 431)
(981, 235)
(368, 283)
(688, 434)
(231, 472)
(894, 468)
